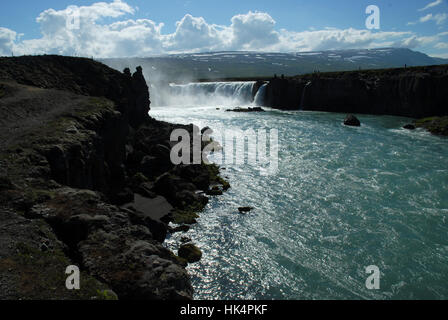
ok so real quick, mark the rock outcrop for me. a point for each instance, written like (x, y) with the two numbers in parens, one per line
(412, 92)
(352, 121)
(435, 125)
(83, 172)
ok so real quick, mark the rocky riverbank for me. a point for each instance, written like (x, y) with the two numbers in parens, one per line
(86, 179)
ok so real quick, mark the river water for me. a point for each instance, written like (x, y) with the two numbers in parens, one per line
(342, 199)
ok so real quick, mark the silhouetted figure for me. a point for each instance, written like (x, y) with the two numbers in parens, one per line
(283, 76)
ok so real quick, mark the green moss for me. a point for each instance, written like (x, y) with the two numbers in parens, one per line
(435, 125)
(106, 295)
(213, 170)
(185, 216)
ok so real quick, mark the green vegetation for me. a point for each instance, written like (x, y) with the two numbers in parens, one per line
(41, 275)
(213, 170)
(187, 215)
(106, 295)
(435, 125)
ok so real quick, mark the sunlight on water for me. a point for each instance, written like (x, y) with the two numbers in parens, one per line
(344, 198)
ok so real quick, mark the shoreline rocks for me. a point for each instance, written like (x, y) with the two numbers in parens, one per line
(95, 174)
(435, 125)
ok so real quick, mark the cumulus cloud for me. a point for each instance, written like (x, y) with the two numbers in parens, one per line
(7, 38)
(194, 34)
(91, 34)
(254, 30)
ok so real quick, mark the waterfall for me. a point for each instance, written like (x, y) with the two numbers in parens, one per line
(210, 94)
(261, 95)
(302, 100)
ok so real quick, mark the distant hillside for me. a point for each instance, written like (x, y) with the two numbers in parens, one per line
(216, 65)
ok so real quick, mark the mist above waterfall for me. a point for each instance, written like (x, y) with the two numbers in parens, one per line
(186, 91)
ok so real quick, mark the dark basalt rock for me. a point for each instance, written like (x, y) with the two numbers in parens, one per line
(254, 109)
(435, 125)
(409, 92)
(245, 209)
(72, 171)
(183, 228)
(190, 252)
(352, 121)
(409, 127)
(5, 184)
(215, 191)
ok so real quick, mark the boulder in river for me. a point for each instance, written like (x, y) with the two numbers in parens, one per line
(352, 121)
(244, 209)
(190, 252)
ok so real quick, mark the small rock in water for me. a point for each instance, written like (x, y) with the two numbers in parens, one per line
(215, 191)
(254, 109)
(244, 209)
(182, 228)
(206, 129)
(409, 127)
(190, 252)
(185, 239)
(352, 121)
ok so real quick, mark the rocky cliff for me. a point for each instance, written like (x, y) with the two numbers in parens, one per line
(86, 180)
(411, 92)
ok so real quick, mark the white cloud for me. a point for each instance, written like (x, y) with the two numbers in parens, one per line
(252, 31)
(7, 38)
(439, 18)
(431, 5)
(127, 37)
(194, 33)
(333, 39)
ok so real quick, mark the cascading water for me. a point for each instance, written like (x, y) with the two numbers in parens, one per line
(302, 100)
(210, 94)
(261, 95)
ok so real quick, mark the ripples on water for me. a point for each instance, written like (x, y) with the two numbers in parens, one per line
(344, 198)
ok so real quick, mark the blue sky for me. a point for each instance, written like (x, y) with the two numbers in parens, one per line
(138, 28)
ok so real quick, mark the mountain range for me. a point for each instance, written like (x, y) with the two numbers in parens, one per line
(245, 64)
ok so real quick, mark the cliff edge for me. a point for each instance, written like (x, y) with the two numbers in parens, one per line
(415, 92)
(86, 180)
